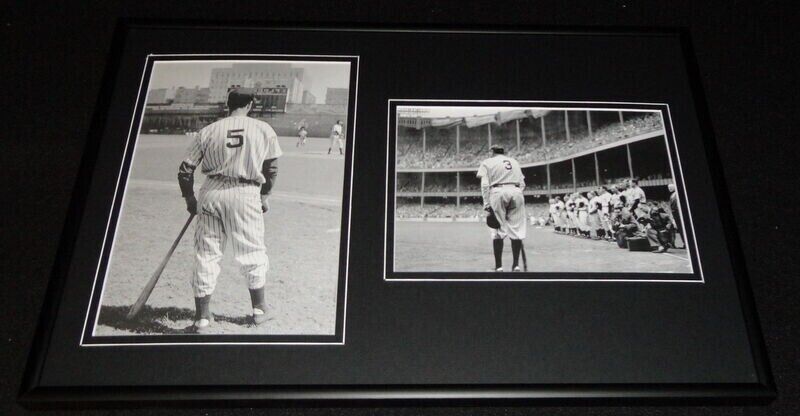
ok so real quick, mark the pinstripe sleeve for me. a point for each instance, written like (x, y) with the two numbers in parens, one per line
(194, 154)
(273, 147)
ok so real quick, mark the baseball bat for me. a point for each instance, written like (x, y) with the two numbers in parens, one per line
(148, 288)
(524, 257)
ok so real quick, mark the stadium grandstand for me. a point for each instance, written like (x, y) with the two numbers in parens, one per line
(560, 151)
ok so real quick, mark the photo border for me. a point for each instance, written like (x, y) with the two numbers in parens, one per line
(87, 337)
(390, 275)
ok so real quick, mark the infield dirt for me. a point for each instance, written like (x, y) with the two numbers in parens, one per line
(302, 238)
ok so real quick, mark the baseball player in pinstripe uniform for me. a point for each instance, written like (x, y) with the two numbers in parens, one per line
(238, 155)
(336, 137)
(502, 183)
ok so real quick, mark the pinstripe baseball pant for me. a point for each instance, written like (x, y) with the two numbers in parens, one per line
(228, 210)
(583, 220)
(508, 204)
(336, 139)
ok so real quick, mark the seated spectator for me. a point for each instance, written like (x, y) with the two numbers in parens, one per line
(623, 224)
(658, 226)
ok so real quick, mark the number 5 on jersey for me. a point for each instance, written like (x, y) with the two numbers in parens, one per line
(239, 139)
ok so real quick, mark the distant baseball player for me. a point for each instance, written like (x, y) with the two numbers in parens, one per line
(558, 217)
(635, 193)
(551, 210)
(613, 200)
(336, 137)
(605, 212)
(675, 213)
(582, 214)
(502, 184)
(238, 155)
(572, 215)
(302, 133)
(595, 207)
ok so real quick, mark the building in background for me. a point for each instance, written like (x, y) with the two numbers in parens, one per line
(161, 96)
(194, 95)
(309, 98)
(257, 75)
(336, 96)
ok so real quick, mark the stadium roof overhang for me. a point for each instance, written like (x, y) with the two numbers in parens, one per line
(501, 117)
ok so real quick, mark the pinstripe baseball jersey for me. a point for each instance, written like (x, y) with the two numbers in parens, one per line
(501, 169)
(635, 193)
(234, 147)
(336, 130)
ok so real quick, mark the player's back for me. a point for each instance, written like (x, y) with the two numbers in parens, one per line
(237, 146)
(500, 169)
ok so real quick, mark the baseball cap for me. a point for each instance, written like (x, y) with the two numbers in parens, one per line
(239, 97)
(496, 148)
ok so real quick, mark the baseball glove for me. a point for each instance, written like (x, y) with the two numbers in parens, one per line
(491, 219)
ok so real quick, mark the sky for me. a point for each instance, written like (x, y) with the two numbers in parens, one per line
(198, 73)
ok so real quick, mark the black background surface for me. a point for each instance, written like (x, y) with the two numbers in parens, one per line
(745, 58)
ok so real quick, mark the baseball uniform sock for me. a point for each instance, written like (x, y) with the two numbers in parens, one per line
(257, 299)
(329, 150)
(497, 245)
(202, 308)
(259, 306)
(516, 247)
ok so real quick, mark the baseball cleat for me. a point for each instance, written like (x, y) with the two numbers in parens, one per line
(202, 326)
(499, 269)
(517, 269)
(259, 317)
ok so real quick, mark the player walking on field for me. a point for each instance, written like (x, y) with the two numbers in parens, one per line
(336, 137)
(502, 184)
(238, 154)
(302, 134)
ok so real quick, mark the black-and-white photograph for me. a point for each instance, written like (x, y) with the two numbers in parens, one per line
(541, 188)
(234, 217)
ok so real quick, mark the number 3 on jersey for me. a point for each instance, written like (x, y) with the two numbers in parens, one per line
(506, 163)
(238, 137)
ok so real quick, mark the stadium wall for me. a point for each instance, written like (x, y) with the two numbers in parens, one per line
(318, 119)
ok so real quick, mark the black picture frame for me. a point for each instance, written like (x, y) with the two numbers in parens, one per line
(37, 393)
(338, 337)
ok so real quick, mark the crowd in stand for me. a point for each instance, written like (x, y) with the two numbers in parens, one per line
(537, 212)
(441, 152)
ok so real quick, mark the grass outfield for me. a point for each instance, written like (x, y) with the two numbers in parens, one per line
(302, 238)
(466, 247)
